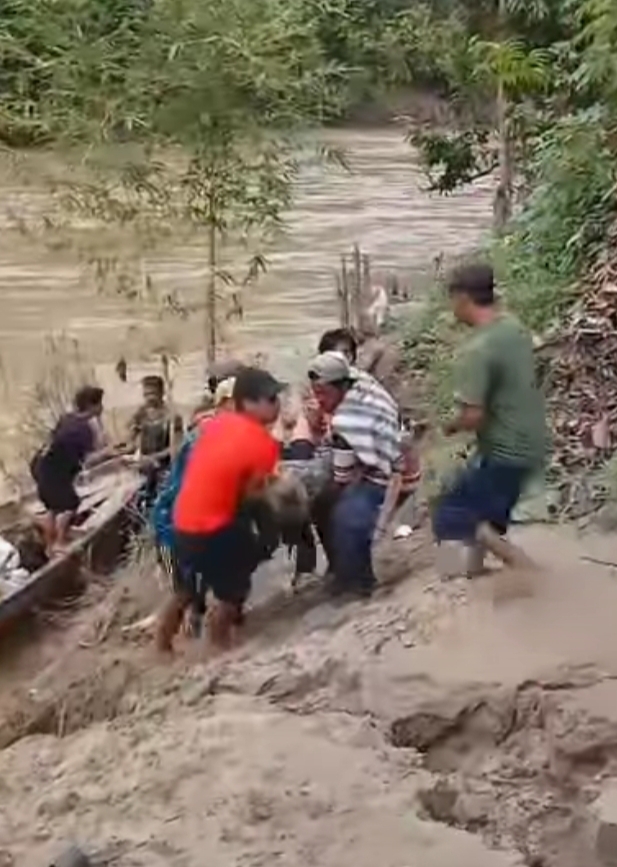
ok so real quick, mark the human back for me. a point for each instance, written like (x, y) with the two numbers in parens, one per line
(230, 450)
(71, 441)
(500, 359)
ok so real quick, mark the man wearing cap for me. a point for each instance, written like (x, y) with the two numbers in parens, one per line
(163, 509)
(365, 435)
(232, 459)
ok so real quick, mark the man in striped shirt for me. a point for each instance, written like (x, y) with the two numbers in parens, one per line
(366, 442)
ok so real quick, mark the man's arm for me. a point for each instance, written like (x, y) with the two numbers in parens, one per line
(178, 428)
(469, 418)
(390, 502)
(473, 381)
(108, 453)
(135, 426)
(394, 437)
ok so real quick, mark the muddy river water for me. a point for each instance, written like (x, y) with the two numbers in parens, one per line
(381, 203)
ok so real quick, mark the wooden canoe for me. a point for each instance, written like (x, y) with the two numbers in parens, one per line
(103, 525)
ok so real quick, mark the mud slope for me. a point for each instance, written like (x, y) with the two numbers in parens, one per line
(432, 727)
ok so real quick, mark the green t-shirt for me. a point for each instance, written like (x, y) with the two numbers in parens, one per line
(497, 372)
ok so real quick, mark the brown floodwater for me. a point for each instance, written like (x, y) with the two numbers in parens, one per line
(381, 203)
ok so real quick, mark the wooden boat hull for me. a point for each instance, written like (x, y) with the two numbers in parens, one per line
(98, 549)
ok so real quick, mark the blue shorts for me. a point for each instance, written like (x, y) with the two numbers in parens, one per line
(486, 491)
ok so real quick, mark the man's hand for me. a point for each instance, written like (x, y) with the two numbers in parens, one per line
(380, 531)
(470, 419)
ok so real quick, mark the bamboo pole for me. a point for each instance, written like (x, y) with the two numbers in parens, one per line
(348, 313)
(357, 288)
(343, 301)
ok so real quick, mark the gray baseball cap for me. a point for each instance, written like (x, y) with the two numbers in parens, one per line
(331, 367)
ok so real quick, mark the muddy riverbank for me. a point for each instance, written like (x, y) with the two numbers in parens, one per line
(438, 724)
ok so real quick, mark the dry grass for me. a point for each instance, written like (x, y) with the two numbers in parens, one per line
(63, 370)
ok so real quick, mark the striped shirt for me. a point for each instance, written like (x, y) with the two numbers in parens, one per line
(367, 421)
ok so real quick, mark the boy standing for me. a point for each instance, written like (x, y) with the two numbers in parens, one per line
(154, 432)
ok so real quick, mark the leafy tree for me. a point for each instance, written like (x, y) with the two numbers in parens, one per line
(228, 82)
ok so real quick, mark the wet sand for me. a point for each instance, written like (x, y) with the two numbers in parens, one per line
(431, 726)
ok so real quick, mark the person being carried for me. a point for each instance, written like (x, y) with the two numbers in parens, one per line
(500, 402)
(153, 432)
(231, 461)
(372, 356)
(71, 447)
(367, 460)
(222, 371)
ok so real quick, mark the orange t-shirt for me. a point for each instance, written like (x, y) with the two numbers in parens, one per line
(231, 450)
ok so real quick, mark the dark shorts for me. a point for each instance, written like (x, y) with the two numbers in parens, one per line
(486, 491)
(57, 493)
(225, 560)
(183, 580)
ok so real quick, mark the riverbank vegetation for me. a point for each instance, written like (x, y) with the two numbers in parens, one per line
(549, 72)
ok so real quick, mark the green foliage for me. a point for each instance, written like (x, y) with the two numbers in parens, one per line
(63, 64)
(231, 64)
(429, 336)
(454, 158)
(563, 225)
(417, 47)
(597, 42)
(117, 68)
(521, 71)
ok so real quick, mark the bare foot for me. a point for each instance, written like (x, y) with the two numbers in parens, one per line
(510, 554)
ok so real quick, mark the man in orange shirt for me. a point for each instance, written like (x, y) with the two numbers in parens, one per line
(232, 459)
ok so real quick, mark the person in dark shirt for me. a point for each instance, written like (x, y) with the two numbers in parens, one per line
(72, 446)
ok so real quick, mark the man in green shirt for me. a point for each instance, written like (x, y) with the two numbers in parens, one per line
(498, 400)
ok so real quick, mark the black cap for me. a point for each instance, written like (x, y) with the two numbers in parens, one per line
(253, 383)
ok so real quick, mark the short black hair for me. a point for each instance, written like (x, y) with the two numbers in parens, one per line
(255, 384)
(153, 381)
(88, 397)
(331, 340)
(477, 281)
